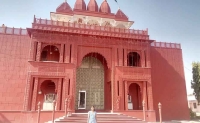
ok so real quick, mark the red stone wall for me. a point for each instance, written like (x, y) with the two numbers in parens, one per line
(14, 53)
(168, 83)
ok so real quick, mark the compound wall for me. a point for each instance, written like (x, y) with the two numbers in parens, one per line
(14, 53)
(168, 82)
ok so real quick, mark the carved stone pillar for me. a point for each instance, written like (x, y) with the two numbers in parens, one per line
(148, 62)
(140, 97)
(150, 95)
(114, 52)
(61, 53)
(126, 93)
(121, 90)
(39, 48)
(27, 93)
(74, 54)
(35, 90)
(118, 103)
(142, 58)
(32, 51)
(67, 53)
(144, 96)
(64, 92)
(120, 53)
(125, 57)
(59, 94)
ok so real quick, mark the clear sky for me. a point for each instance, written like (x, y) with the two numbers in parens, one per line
(167, 20)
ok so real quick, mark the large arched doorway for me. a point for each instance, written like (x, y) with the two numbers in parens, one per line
(47, 94)
(90, 82)
(134, 97)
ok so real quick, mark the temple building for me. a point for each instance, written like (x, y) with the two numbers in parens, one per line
(87, 56)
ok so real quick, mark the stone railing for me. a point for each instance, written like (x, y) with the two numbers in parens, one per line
(92, 27)
(166, 45)
(13, 31)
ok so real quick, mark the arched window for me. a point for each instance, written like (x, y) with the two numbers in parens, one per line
(50, 53)
(133, 59)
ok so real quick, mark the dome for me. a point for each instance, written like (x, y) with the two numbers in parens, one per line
(105, 8)
(92, 6)
(64, 7)
(121, 15)
(80, 5)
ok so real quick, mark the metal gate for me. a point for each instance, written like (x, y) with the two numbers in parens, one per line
(90, 78)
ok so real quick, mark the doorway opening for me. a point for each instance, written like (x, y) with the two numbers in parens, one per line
(91, 77)
(82, 100)
(134, 97)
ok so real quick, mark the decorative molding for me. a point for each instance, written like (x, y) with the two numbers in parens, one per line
(39, 46)
(34, 98)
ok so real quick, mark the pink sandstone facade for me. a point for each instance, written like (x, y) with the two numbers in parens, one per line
(89, 56)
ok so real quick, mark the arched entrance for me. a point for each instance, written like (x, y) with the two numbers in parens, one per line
(47, 94)
(90, 82)
(134, 97)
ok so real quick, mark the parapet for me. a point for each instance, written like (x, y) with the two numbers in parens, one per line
(13, 31)
(166, 45)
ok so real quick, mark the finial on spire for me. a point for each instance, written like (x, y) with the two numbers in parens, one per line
(117, 4)
(65, 1)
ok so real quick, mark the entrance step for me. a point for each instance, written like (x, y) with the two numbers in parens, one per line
(101, 117)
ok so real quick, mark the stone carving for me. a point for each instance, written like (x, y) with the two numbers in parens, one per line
(27, 96)
(35, 94)
(38, 51)
(69, 102)
(118, 103)
(49, 98)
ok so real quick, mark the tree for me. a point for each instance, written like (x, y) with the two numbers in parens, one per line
(196, 80)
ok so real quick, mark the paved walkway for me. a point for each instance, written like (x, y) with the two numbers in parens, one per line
(197, 121)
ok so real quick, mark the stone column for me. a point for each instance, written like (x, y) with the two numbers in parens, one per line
(27, 93)
(150, 95)
(32, 51)
(125, 57)
(113, 82)
(120, 53)
(39, 48)
(64, 92)
(61, 53)
(67, 53)
(74, 54)
(148, 62)
(144, 96)
(126, 93)
(142, 58)
(121, 93)
(34, 98)
(59, 94)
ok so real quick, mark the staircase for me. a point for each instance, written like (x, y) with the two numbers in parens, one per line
(101, 118)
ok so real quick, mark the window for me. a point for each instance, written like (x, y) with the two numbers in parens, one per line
(133, 59)
(50, 53)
